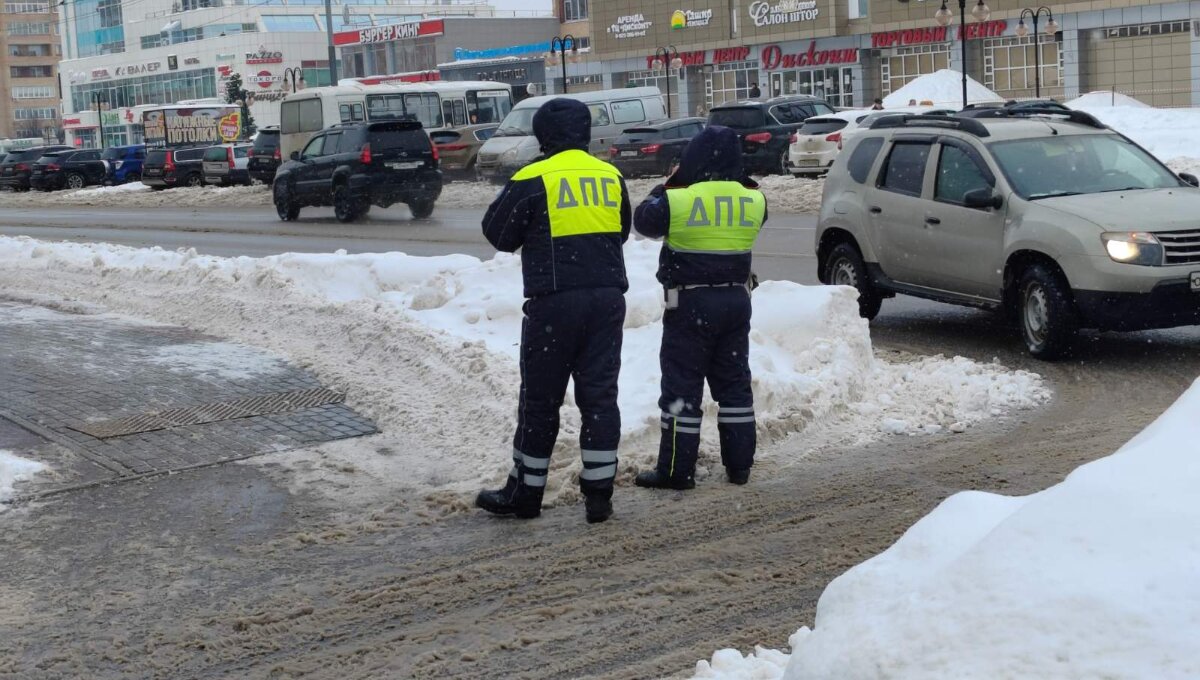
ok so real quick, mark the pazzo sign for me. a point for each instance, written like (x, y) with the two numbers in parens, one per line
(763, 13)
(630, 26)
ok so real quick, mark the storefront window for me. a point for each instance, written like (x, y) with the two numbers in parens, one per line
(731, 82)
(1009, 66)
(834, 84)
(86, 138)
(905, 64)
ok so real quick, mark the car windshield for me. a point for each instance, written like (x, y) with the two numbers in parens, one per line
(266, 141)
(518, 123)
(216, 153)
(158, 157)
(738, 118)
(636, 135)
(1067, 165)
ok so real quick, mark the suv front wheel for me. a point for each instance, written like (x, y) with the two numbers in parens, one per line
(287, 211)
(845, 267)
(1046, 311)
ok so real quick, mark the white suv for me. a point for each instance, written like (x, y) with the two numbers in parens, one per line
(1048, 215)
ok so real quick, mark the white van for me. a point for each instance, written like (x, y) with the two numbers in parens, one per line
(513, 146)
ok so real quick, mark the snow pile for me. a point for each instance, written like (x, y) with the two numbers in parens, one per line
(1169, 134)
(811, 353)
(943, 88)
(14, 469)
(98, 192)
(1094, 577)
(1103, 98)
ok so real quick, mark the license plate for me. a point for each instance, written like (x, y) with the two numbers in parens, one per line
(406, 165)
(625, 154)
(1195, 279)
(808, 162)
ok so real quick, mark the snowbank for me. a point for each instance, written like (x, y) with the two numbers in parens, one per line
(943, 88)
(14, 469)
(1170, 134)
(1094, 577)
(811, 354)
(1103, 98)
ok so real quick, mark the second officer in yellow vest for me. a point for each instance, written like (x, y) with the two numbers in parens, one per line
(709, 214)
(569, 216)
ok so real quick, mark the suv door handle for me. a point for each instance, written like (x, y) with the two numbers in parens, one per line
(932, 220)
(875, 210)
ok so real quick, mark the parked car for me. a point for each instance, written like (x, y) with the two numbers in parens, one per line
(864, 124)
(164, 168)
(124, 163)
(514, 146)
(17, 167)
(227, 164)
(766, 127)
(458, 149)
(74, 169)
(353, 166)
(1047, 215)
(264, 156)
(653, 149)
(817, 143)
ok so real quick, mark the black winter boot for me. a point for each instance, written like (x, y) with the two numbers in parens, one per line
(653, 479)
(738, 477)
(599, 508)
(514, 499)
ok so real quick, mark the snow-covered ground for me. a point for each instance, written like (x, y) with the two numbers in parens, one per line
(361, 321)
(1095, 577)
(14, 469)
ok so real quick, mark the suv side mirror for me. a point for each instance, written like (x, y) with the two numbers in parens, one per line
(295, 156)
(1189, 178)
(982, 198)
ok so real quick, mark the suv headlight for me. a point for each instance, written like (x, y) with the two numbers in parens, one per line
(1133, 247)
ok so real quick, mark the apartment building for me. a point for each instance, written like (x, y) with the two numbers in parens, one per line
(29, 70)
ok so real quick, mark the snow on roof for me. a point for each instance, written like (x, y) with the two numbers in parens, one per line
(1105, 98)
(942, 88)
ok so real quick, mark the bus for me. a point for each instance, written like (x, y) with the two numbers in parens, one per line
(439, 105)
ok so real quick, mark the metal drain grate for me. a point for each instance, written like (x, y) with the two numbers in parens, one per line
(280, 402)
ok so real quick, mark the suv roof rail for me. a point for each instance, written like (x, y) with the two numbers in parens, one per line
(968, 125)
(1080, 117)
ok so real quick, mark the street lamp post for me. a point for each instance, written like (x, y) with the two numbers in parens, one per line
(290, 73)
(667, 58)
(1023, 30)
(333, 79)
(944, 17)
(97, 97)
(558, 53)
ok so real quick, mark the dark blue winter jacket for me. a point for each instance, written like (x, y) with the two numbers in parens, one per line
(713, 155)
(568, 214)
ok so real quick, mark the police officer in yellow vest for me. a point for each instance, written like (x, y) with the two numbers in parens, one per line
(709, 213)
(569, 215)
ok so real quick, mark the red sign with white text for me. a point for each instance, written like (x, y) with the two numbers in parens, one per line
(389, 32)
(773, 57)
(924, 36)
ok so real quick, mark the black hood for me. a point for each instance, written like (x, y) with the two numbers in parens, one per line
(562, 124)
(713, 155)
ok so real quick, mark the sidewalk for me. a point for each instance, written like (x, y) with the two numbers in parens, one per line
(101, 398)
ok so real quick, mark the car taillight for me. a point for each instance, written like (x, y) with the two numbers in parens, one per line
(835, 137)
(759, 137)
(435, 153)
(229, 156)
(169, 162)
(249, 153)
(53, 166)
(450, 147)
(651, 148)
(793, 138)
(278, 154)
(21, 166)
(612, 152)
(365, 156)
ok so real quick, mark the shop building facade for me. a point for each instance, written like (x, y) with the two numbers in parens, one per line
(29, 55)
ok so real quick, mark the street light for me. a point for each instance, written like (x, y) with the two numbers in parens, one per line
(944, 17)
(97, 97)
(1023, 30)
(290, 73)
(558, 54)
(667, 58)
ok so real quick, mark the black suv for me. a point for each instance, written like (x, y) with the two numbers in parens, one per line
(17, 168)
(653, 149)
(766, 128)
(265, 155)
(70, 169)
(174, 167)
(353, 166)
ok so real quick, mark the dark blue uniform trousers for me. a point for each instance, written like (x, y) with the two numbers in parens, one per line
(571, 334)
(706, 337)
